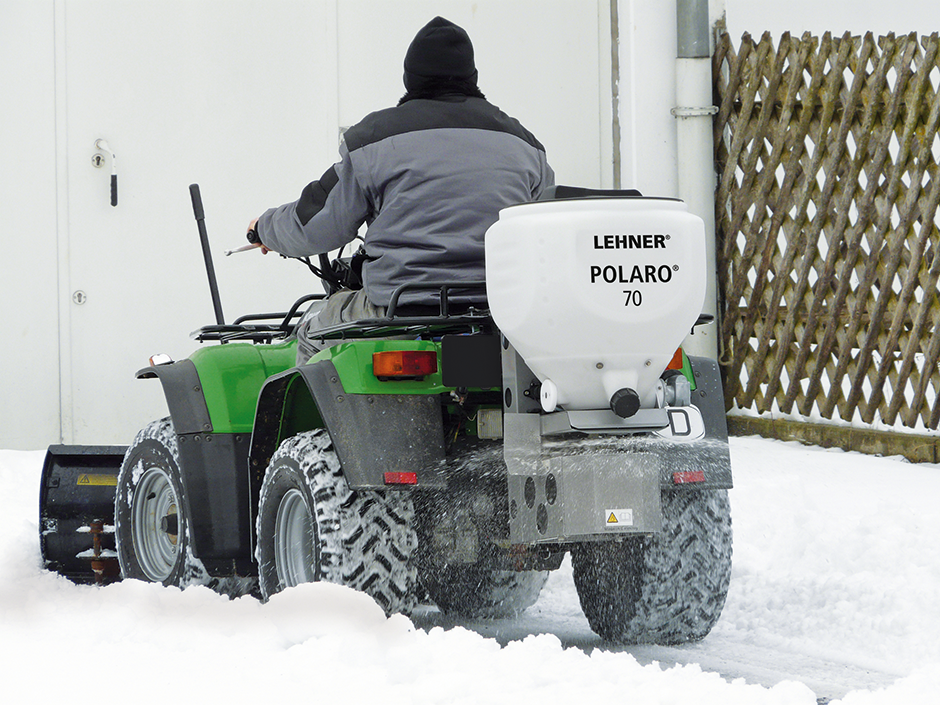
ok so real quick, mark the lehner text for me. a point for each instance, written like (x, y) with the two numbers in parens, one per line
(630, 242)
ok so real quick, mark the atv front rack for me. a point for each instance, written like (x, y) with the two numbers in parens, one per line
(256, 332)
(443, 317)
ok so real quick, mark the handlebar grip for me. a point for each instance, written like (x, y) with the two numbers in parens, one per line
(197, 202)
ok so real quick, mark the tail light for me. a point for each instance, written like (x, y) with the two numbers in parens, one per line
(404, 364)
(682, 478)
(401, 478)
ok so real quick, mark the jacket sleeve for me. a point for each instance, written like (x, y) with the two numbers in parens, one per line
(548, 177)
(327, 215)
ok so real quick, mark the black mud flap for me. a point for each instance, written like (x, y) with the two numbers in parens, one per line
(76, 512)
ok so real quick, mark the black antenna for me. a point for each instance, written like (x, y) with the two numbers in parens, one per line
(204, 239)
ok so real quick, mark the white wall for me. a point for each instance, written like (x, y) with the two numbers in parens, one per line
(836, 16)
(647, 63)
(246, 98)
(545, 62)
(29, 381)
(648, 94)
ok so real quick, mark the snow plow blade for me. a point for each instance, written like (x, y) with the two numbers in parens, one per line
(76, 512)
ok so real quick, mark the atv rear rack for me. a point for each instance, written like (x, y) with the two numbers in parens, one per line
(446, 316)
(424, 321)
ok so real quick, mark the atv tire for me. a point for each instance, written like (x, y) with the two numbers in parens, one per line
(312, 527)
(666, 589)
(151, 523)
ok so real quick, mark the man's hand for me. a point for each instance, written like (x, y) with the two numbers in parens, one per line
(254, 238)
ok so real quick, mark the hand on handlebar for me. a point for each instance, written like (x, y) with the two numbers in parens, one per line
(254, 238)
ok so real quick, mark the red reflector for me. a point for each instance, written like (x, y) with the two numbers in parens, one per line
(401, 478)
(404, 363)
(680, 478)
(676, 362)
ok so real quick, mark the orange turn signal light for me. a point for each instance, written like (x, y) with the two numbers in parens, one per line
(676, 362)
(404, 364)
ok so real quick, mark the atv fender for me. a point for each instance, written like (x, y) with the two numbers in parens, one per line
(703, 464)
(714, 454)
(709, 397)
(184, 396)
(213, 469)
(373, 434)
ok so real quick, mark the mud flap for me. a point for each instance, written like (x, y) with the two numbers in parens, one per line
(357, 425)
(76, 512)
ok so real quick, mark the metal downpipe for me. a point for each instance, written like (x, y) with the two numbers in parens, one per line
(695, 149)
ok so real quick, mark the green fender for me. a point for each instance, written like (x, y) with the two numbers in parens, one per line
(376, 426)
(212, 398)
(216, 389)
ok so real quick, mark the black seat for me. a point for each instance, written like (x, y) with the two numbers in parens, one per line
(563, 193)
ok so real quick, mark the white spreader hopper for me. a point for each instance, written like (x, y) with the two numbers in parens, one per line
(596, 294)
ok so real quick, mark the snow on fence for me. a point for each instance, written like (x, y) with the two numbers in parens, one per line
(827, 153)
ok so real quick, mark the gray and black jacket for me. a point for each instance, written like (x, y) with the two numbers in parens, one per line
(429, 177)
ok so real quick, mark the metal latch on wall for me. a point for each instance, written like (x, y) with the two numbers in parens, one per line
(98, 160)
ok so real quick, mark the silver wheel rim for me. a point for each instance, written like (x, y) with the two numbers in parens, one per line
(293, 541)
(154, 505)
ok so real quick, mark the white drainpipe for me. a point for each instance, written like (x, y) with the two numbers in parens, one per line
(694, 110)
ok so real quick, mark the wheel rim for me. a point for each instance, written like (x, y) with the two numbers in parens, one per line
(293, 541)
(155, 524)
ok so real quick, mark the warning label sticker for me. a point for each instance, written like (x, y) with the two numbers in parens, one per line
(614, 518)
(100, 480)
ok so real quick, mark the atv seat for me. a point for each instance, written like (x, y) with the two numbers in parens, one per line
(565, 193)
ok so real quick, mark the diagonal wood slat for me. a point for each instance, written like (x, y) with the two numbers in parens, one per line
(828, 159)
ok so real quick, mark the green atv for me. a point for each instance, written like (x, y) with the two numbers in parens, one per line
(454, 454)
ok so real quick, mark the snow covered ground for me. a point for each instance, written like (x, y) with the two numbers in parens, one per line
(833, 596)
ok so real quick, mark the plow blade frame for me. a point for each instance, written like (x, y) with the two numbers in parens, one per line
(76, 511)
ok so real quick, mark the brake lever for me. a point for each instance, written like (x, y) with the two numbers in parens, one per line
(243, 248)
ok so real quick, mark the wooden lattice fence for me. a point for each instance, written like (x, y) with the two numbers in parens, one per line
(827, 152)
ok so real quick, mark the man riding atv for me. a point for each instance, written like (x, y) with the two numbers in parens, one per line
(429, 176)
(451, 456)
